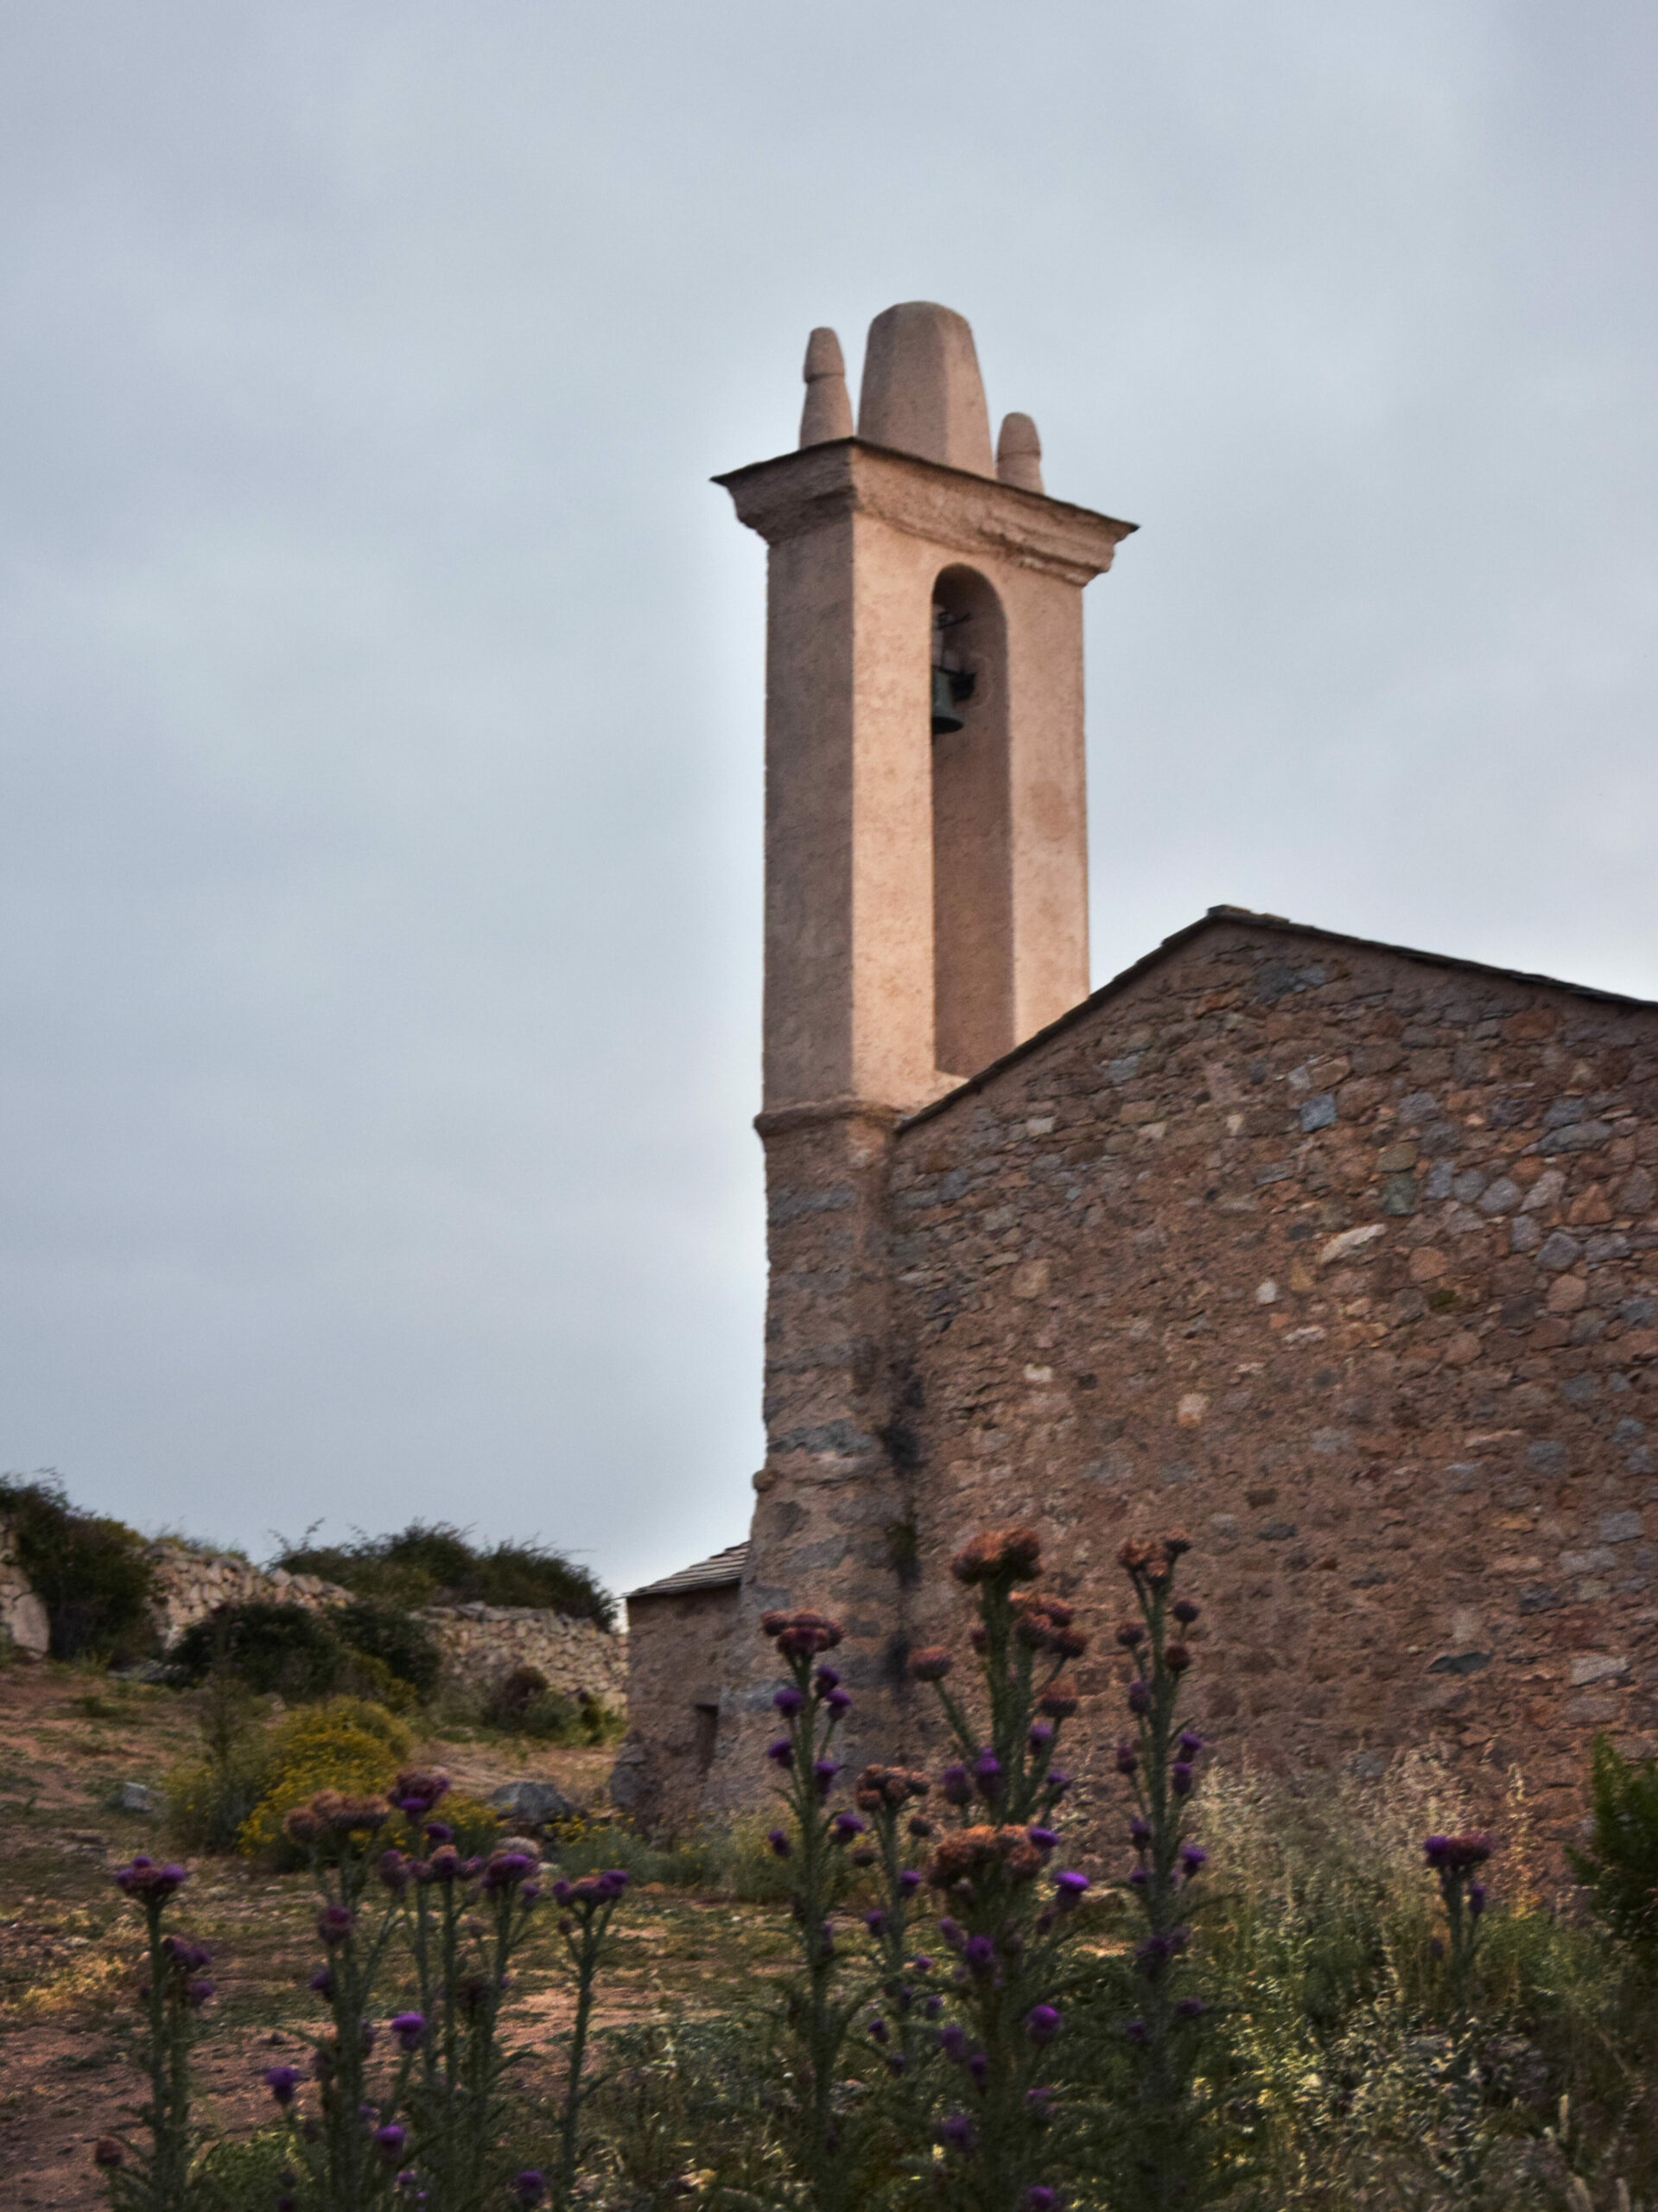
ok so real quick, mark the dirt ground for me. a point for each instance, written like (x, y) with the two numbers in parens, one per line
(68, 1739)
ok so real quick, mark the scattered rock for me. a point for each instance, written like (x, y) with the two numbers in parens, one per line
(533, 1803)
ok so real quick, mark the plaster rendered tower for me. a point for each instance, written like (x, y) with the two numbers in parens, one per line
(926, 909)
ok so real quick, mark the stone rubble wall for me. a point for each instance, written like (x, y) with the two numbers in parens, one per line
(189, 1584)
(478, 1643)
(481, 1642)
(22, 1617)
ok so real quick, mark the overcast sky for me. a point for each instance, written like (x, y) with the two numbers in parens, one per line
(381, 678)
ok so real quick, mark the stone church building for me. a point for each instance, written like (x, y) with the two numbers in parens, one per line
(1341, 1256)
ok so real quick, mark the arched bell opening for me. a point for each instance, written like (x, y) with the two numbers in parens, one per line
(972, 841)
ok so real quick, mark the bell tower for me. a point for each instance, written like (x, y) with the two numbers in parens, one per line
(926, 870)
(926, 909)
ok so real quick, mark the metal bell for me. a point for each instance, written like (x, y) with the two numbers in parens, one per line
(945, 716)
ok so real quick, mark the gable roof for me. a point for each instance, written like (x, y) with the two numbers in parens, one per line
(719, 1573)
(1216, 917)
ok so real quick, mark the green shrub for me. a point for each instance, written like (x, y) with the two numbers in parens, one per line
(523, 1704)
(93, 1575)
(477, 1827)
(513, 1696)
(391, 1634)
(283, 1650)
(208, 1802)
(1620, 1868)
(432, 1563)
(346, 1744)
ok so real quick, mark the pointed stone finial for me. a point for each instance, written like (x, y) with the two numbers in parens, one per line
(827, 411)
(922, 391)
(1019, 453)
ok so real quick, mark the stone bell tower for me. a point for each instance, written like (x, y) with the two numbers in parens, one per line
(927, 904)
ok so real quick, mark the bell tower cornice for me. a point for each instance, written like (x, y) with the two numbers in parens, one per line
(973, 515)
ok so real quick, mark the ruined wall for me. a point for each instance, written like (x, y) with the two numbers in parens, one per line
(480, 1643)
(477, 1642)
(1349, 1263)
(679, 1654)
(190, 1583)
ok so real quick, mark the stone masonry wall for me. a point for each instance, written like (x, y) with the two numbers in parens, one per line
(829, 1495)
(679, 1653)
(1348, 1262)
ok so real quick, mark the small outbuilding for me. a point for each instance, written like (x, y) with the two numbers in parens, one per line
(678, 1634)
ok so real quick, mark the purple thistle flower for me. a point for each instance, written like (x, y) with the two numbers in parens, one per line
(1043, 2022)
(954, 1785)
(436, 1832)
(196, 1993)
(896, 2062)
(933, 2006)
(1041, 1735)
(875, 1920)
(845, 1826)
(781, 1753)
(978, 2067)
(1059, 1781)
(952, 2041)
(877, 2030)
(839, 1701)
(1139, 1833)
(1477, 1898)
(1044, 1839)
(921, 1963)
(529, 2187)
(958, 2133)
(1193, 1858)
(333, 1924)
(409, 2028)
(1139, 1878)
(282, 2082)
(322, 1981)
(827, 1680)
(909, 1882)
(148, 1882)
(1140, 1696)
(779, 1840)
(1152, 1955)
(1180, 1778)
(1070, 1886)
(823, 1773)
(1039, 2198)
(952, 1931)
(389, 2141)
(395, 1871)
(986, 1775)
(505, 1870)
(1189, 1744)
(1127, 1758)
(1137, 2031)
(788, 1700)
(980, 1955)
(1190, 2008)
